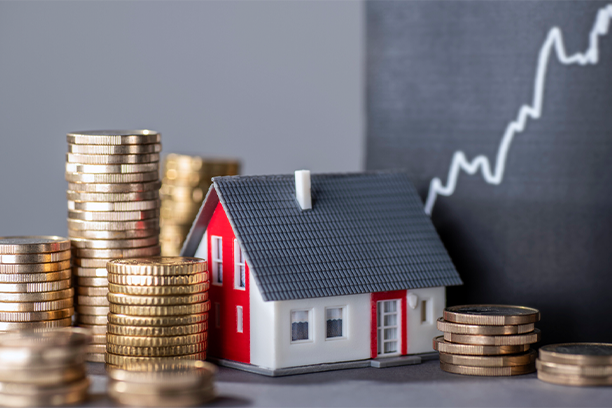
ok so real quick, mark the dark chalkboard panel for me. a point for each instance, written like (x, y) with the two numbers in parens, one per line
(447, 77)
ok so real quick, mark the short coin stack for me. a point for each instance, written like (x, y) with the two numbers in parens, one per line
(35, 283)
(182, 383)
(487, 340)
(113, 212)
(185, 182)
(158, 310)
(582, 364)
(43, 368)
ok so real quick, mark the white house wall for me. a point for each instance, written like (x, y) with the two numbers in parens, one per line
(263, 334)
(421, 333)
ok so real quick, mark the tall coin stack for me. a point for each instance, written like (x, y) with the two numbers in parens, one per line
(35, 283)
(580, 364)
(158, 310)
(113, 212)
(185, 182)
(488, 340)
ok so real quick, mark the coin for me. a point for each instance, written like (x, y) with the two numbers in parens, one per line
(118, 253)
(92, 282)
(158, 266)
(565, 379)
(54, 345)
(476, 350)
(184, 399)
(449, 327)
(491, 315)
(507, 340)
(114, 137)
(159, 290)
(35, 258)
(65, 394)
(92, 290)
(96, 357)
(571, 369)
(95, 329)
(156, 351)
(111, 168)
(114, 244)
(89, 272)
(92, 300)
(123, 299)
(91, 262)
(99, 339)
(92, 198)
(488, 371)
(126, 361)
(35, 316)
(521, 359)
(114, 206)
(153, 331)
(35, 277)
(35, 326)
(47, 377)
(108, 178)
(577, 353)
(112, 158)
(36, 306)
(92, 310)
(111, 226)
(115, 188)
(181, 373)
(123, 149)
(32, 245)
(107, 216)
(175, 310)
(136, 280)
(35, 268)
(130, 234)
(96, 348)
(92, 320)
(156, 321)
(34, 287)
(136, 341)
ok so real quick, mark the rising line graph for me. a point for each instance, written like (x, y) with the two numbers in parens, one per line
(554, 42)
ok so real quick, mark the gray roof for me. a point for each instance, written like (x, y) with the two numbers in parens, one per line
(366, 232)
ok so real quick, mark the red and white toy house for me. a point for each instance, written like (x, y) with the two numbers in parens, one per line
(310, 273)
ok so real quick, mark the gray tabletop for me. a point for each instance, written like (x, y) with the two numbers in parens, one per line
(423, 385)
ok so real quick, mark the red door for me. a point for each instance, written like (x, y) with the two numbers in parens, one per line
(388, 336)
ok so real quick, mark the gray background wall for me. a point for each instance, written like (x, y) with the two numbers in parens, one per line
(277, 84)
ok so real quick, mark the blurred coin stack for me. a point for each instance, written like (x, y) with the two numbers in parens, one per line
(182, 383)
(158, 310)
(35, 283)
(581, 364)
(488, 340)
(113, 212)
(185, 182)
(43, 368)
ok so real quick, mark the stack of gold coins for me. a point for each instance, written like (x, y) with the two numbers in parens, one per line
(35, 283)
(43, 368)
(185, 182)
(581, 364)
(158, 310)
(488, 340)
(113, 212)
(182, 383)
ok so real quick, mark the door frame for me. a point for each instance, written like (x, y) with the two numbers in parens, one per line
(403, 337)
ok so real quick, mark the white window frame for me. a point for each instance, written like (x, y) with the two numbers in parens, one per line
(310, 315)
(216, 248)
(344, 336)
(380, 327)
(239, 320)
(237, 264)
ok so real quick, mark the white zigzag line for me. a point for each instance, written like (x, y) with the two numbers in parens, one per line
(554, 40)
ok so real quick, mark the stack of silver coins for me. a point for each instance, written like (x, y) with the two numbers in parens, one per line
(579, 364)
(35, 283)
(113, 212)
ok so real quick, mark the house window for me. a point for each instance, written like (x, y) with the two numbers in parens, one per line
(216, 244)
(426, 312)
(239, 267)
(335, 322)
(217, 315)
(239, 319)
(300, 327)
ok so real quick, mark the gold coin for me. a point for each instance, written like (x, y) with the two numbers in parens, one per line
(123, 299)
(521, 359)
(491, 315)
(103, 282)
(36, 326)
(92, 300)
(156, 321)
(112, 158)
(488, 371)
(35, 258)
(35, 277)
(122, 149)
(181, 373)
(111, 168)
(115, 188)
(35, 287)
(93, 198)
(35, 316)
(577, 353)
(114, 137)
(47, 377)
(158, 266)
(95, 329)
(89, 272)
(578, 370)
(158, 290)
(130, 234)
(118, 253)
(156, 351)
(35, 268)
(26, 395)
(112, 216)
(451, 348)
(577, 380)
(114, 244)
(157, 331)
(109, 178)
(458, 328)
(112, 226)
(96, 357)
(33, 245)
(92, 310)
(134, 341)
(99, 339)
(185, 194)
(508, 340)
(92, 290)
(36, 306)
(91, 320)
(135, 280)
(37, 297)
(195, 397)
(92, 262)
(114, 206)
(127, 361)
(96, 348)
(175, 310)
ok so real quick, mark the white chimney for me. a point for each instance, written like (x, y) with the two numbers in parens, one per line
(302, 189)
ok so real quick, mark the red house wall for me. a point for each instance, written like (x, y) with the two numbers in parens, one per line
(224, 341)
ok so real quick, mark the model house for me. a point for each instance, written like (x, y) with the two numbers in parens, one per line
(319, 273)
